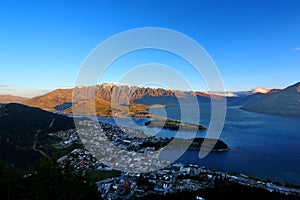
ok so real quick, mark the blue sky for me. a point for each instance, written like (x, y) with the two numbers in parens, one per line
(43, 43)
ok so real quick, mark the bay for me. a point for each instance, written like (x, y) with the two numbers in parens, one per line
(261, 145)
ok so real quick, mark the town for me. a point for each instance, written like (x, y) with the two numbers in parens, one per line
(136, 176)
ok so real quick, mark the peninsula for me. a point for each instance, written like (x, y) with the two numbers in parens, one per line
(173, 125)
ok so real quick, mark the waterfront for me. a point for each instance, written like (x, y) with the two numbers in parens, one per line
(261, 145)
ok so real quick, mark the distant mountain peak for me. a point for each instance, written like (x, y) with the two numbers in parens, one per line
(298, 88)
(282, 102)
(260, 90)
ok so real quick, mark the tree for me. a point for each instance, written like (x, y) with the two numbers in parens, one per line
(49, 181)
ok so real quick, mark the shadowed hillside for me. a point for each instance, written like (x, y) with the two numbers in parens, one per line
(22, 126)
(284, 102)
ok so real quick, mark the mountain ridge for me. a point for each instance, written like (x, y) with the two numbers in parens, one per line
(7, 98)
(283, 102)
(115, 94)
(108, 95)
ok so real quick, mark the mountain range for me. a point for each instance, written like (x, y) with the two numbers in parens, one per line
(253, 95)
(113, 93)
(109, 100)
(7, 98)
(283, 102)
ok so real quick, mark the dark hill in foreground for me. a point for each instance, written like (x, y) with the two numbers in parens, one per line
(16, 116)
(19, 127)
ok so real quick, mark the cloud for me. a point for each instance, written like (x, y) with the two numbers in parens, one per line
(5, 85)
(65, 86)
(23, 92)
(31, 93)
(296, 49)
(224, 94)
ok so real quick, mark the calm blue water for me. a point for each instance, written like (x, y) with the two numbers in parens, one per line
(261, 145)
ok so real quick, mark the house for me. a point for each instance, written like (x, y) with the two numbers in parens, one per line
(127, 185)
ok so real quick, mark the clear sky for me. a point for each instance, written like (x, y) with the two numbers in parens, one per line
(43, 43)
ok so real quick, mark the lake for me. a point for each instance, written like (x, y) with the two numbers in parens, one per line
(261, 145)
